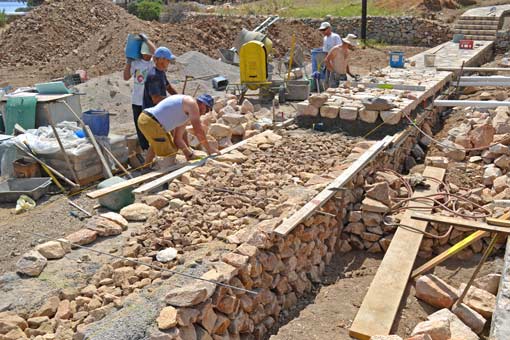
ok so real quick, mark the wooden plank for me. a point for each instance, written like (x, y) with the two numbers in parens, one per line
(289, 224)
(171, 176)
(475, 69)
(461, 223)
(381, 303)
(133, 181)
(473, 103)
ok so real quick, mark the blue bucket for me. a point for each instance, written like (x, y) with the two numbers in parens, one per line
(397, 59)
(318, 56)
(98, 121)
(133, 46)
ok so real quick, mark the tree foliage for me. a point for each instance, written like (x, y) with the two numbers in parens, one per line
(146, 9)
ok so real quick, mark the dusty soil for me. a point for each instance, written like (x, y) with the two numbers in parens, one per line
(331, 308)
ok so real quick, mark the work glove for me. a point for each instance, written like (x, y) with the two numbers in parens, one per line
(143, 37)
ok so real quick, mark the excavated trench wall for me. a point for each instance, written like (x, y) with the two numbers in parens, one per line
(281, 269)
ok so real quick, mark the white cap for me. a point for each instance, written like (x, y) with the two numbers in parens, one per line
(351, 39)
(324, 26)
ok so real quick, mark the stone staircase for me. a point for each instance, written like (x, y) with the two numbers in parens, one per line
(477, 27)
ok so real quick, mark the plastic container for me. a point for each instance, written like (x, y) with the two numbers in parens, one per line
(13, 188)
(117, 199)
(429, 60)
(318, 56)
(457, 37)
(98, 121)
(133, 46)
(397, 59)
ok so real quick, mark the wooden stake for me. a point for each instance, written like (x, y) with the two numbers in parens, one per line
(66, 156)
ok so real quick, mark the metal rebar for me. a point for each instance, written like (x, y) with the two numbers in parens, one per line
(79, 208)
(139, 262)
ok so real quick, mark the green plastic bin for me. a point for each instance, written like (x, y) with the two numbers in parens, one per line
(20, 110)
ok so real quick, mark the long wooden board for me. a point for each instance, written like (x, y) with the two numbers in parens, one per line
(289, 224)
(173, 175)
(475, 69)
(133, 181)
(381, 303)
(462, 223)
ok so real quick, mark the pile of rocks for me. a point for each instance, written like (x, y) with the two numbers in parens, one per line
(372, 105)
(229, 122)
(266, 178)
(457, 321)
(33, 262)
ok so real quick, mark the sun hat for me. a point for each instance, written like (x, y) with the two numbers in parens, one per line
(207, 100)
(164, 52)
(351, 39)
(325, 25)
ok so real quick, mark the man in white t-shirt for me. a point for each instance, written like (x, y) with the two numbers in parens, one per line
(138, 69)
(330, 39)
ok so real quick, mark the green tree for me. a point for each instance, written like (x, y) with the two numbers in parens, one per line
(33, 3)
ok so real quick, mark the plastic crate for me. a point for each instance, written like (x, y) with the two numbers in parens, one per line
(466, 44)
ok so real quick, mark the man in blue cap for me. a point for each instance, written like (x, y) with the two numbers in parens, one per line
(156, 83)
(164, 125)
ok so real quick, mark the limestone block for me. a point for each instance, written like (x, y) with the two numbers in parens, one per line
(349, 112)
(329, 111)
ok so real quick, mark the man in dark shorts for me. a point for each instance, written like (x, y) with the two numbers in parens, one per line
(157, 85)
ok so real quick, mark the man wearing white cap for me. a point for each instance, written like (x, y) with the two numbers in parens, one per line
(337, 61)
(330, 39)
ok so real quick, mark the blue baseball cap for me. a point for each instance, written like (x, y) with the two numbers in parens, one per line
(164, 52)
(207, 100)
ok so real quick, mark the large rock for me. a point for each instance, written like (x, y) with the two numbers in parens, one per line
(247, 107)
(117, 218)
(317, 100)
(380, 191)
(167, 318)
(49, 308)
(138, 212)
(369, 204)
(458, 330)
(31, 263)
(220, 130)
(104, 227)
(82, 237)
(156, 201)
(480, 300)
(306, 109)
(10, 321)
(470, 317)
(190, 295)
(392, 117)
(453, 151)
(489, 283)
(435, 291)
(329, 111)
(377, 104)
(348, 112)
(490, 174)
(233, 156)
(368, 116)
(234, 119)
(482, 135)
(436, 329)
(51, 250)
(166, 255)
(500, 183)
(501, 120)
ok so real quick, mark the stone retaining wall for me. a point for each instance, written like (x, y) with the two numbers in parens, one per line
(405, 30)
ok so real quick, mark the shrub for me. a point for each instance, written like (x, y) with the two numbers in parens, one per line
(146, 9)
(3, 18)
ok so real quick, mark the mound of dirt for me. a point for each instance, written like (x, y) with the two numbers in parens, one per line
(64, 35)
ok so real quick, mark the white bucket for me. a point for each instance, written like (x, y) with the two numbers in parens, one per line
(429, 59)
